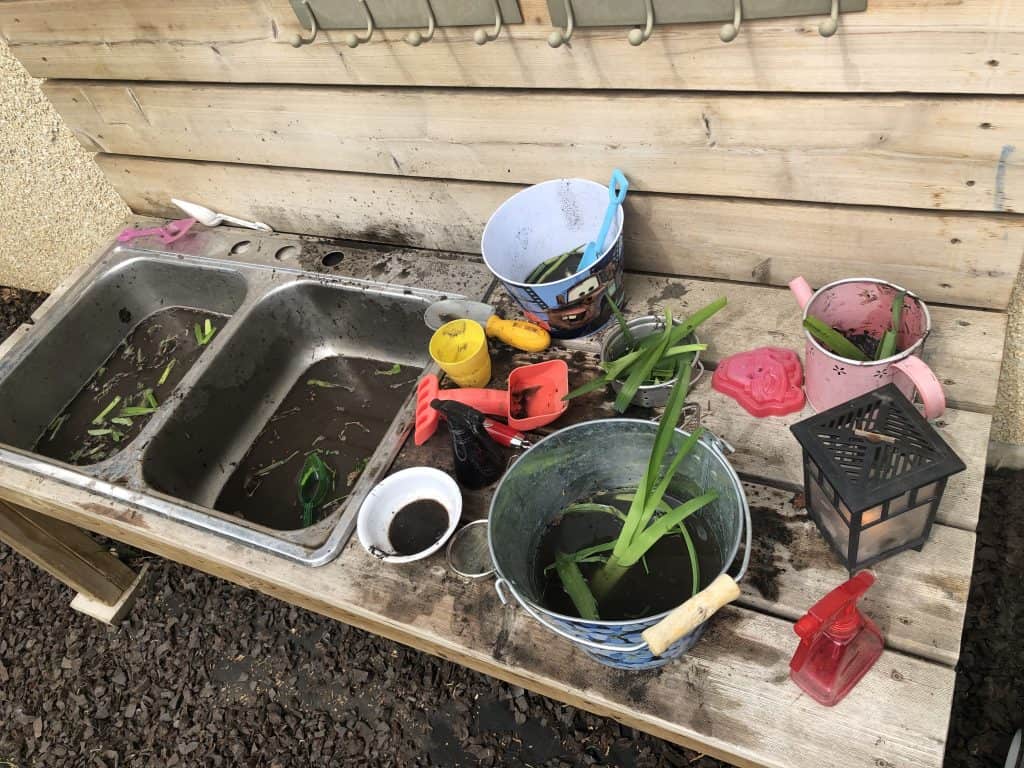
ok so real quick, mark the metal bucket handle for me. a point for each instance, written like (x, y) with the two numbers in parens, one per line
(717, 444)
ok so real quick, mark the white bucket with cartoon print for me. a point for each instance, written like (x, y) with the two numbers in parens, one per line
(543, 221)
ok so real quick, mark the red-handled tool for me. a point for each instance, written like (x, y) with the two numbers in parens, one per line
(505, 435)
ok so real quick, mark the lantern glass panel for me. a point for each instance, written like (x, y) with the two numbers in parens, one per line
(893, 533)
(870, 516)
(844, 511)
(929, 491)
(829, 519)
(902, 503)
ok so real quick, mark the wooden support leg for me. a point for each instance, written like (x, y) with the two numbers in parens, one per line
(68, 554)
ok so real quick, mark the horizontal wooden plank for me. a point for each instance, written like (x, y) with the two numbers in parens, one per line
(971, 46)
(713, 699)
(920, 598)
(913, 152)
(952, 258)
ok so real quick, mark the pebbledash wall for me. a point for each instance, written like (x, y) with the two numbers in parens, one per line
(889, 149)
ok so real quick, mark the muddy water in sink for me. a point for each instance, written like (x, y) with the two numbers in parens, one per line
(121, 396)
(340, 407)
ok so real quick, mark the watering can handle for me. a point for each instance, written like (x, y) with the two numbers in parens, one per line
(802, 291)
(702, 606)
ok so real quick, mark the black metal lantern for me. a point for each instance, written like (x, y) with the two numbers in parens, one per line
(874, 474)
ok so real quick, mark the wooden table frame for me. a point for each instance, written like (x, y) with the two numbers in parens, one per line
(730, 696)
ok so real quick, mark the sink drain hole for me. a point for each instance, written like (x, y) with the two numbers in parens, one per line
(332, 259)
(241, 247)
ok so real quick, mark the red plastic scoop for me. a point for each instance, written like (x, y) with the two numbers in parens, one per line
(533, 398)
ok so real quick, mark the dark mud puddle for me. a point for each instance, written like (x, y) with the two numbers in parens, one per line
(123, 394)
(340, 407)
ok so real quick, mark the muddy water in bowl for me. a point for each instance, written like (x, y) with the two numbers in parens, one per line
(409, 515)
(417, 526)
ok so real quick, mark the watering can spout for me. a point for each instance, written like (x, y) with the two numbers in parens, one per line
(801, 290)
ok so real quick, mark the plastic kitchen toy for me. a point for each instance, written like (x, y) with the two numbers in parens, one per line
(838, 644)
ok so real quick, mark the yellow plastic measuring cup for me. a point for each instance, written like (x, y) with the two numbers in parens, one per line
(460, 348)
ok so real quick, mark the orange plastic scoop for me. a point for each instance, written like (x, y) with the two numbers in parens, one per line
(533, 398)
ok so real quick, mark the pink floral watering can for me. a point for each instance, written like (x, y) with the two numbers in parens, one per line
(864, 305)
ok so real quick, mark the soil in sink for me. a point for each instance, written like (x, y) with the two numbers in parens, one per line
(340, 407)
(662, 583)
(123, 394)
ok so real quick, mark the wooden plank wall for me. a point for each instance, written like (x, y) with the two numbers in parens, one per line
(890, 149)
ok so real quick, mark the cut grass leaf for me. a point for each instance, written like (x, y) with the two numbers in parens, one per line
(592, 385)
(887, 348)
(392, 371)
(56, 424)
(833, 339)
(324, 384)
(205, 333)
(576, 586)
(631, 543)
(150, 399)
(621, 320)
(547, 267)
(641, 370)
(100, 432)
(649, 354)
(263, 471)
(608, 509)
(167, 372)
(694, 563)
(132, 411)
(122, 420)
(103, 414)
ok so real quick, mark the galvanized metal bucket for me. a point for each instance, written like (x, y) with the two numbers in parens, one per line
(588, 458)
(614, 346)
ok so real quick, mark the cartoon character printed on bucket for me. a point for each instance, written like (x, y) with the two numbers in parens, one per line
(581, 308)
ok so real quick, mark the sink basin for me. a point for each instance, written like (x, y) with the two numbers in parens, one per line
(196, 387)
(273, 393)
(51, 374)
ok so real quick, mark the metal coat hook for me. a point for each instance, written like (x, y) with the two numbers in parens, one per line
(482, 36)
(640, 36)
(828, 27)
(298, 41)
(560, 37)
(352, 40)
(416, 37)
(728, 32)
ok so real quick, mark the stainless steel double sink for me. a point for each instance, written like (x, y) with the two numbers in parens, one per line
(278, 321)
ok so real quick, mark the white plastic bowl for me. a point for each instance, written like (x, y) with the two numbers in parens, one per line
(395, 492)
